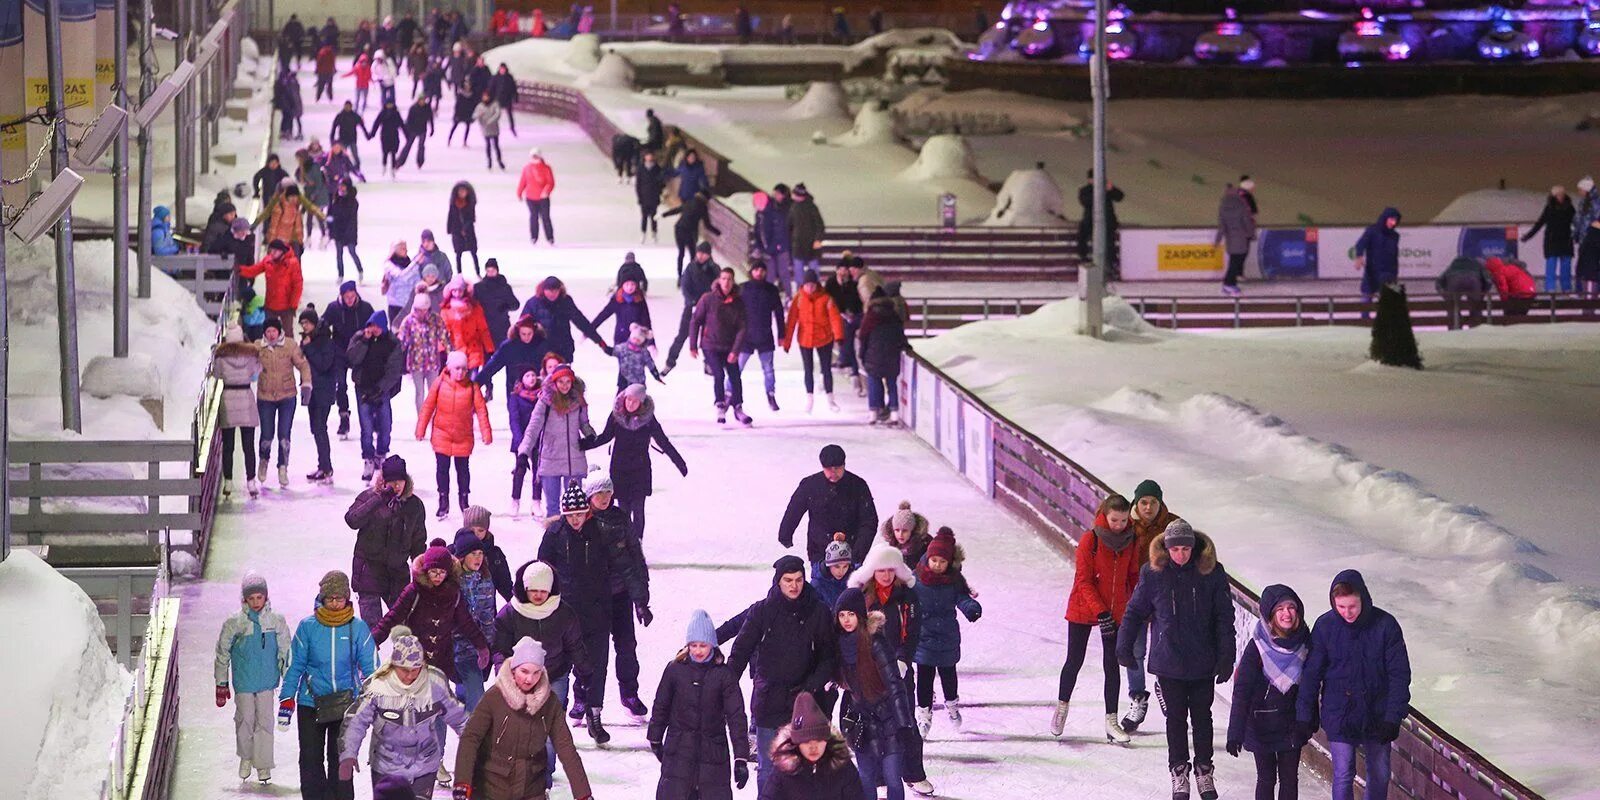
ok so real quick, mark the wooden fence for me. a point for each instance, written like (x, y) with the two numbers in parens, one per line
(208, 276)
(1059, 497)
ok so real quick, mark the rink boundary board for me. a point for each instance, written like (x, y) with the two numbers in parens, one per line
(1059, 497)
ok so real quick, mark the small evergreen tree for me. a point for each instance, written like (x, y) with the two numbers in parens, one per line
(1393, 342)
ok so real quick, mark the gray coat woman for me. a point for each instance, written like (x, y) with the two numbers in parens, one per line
(404, 719)
(237, 365)
(1236, 222)
(556, 429)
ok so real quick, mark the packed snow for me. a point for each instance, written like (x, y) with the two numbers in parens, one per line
(66, 688)
(873, 125)
(822, 100)
(1029, 198)
(614, 72)
(1449, 488)
(943, 156)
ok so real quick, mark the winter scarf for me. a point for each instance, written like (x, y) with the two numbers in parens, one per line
(1113, 539)
(526, 702)
(334, 619)
(532, 611)
(1282, 659)
(387, 683)
(927, 576)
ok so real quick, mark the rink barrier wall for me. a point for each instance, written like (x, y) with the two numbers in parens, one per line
(1309, 310)
(144, 749)
(1059, 497)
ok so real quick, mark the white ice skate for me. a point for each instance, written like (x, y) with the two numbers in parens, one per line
(833, 405)
(923, 787)
(924, 721)
(283, 476)
(516, 508)
(253, 486)
(244, 769)
(264, 775)
(811, 400)
(953, 708)
(1114, 732)
(1058, 721)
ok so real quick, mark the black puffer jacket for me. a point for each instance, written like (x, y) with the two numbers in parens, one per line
(843, 506)
(789, 647)
(697, 712)
(834, 777)
(557, 630)
(391, 529)
(1189, 611)
(648, 184)
(631, 472)
(498, 301)
(346, 321)
(874, 727)
(883, 336)
(585, 561)
(763, 316)
(718, 321)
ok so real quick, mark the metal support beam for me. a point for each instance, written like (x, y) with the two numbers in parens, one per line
(1092, 281)
(182, 146)
(147, 84)
(66, 277)
(119, 195)
(5, 393)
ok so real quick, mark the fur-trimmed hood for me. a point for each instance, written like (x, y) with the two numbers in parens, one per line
(637, 419)
(237, 349)
(919, 531)
(527, 702)
(563, 403)
(420, 575)
(786, 756)
(1204, 557)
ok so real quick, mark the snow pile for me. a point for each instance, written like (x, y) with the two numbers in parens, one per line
(64, 689)
(614, 72)
(943, 156)
(874, 125)
(134, 376)
(1493, 205)
(583, 52)
(1030, 198)
(924, 39)
(822, 100)
(986, 110)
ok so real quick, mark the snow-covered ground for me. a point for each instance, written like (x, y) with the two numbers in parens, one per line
(712, 535)
(1455, 489)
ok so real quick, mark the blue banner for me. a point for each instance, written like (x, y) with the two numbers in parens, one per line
(1483, 242)
(71, 10)
(1288, 253)
(10, 23)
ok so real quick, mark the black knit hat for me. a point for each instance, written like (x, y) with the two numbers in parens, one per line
(808, 723)
(703, 247)
(309, 315)
(466, 542)
(394, 468)
(787, 565)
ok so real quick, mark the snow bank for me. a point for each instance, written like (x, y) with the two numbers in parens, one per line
(582, 52)
(943, 156)
(920, 38)
(134, 376)
(1493, 205)
(1030, 198)
(614, 72)
(64, 689)
(823, 100)
(987, 109)
(873, 125)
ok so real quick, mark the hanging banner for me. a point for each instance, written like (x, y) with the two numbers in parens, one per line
(105, 51)
(77, 62)
(13, 104)
(1288, 253)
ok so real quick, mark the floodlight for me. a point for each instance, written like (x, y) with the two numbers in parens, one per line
(47, 208)
(164, 94)
(94, 144)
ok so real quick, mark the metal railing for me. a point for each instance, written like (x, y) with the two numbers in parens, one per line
(1294, 311)
(934, 315)
(1059, 497)
(208, 276)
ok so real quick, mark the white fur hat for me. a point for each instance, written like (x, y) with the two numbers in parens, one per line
(882, 556)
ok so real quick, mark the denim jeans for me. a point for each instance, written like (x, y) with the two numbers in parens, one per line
(885, 770)
(769, 373)
(1136, 672)
(376, 419)
(551, 486)
(1558, 273)
(764, 737)
(469, 689)
(783, 271)
(1344, 769)
(725, 382)
(277, 419)
(880, 388)
(847, 348)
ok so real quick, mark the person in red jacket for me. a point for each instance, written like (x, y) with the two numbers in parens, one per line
(1515, 285)
(466, 323)
(325, 72)
(1107, 569)
(284, 282)
(453, 402)
(534, 188)
(362, 70)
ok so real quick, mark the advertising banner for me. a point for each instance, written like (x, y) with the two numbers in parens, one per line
(1288, 253)
(105, 51)
(13, 104)
(1186, 254)
(949, 412)
(978, 464)
(77, 62)
(1425, 250)
(925, 414)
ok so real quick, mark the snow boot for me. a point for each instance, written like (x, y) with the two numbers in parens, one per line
(1180, 782)
(953, 708)
(264, 775)
(444, 506)
(924, 721)
(368, 466)
(1058, 721)
(833, 405)
(923, 787)
(443, 776)
(344, 426)
(744, 419)
(1137, 709)
(772, 401)
(1205, 782)
(283, 476)
(578, 710)
(811, 400)
(516, 508)
(597, 732)
(722, 413)
(244, 769)
(635, 708)
(253, 486)
(1115, 734)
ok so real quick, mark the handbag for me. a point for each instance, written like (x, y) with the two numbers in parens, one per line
(331, 707)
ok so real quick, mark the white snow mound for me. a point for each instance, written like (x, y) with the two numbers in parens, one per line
(874, 125)
(1492, 205)
(1030, 198)
(64, 689)
(583, 52)
(822, 100)
(134, 376)
(614, 72)
(943, 156)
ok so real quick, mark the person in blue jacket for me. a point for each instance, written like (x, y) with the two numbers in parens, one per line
(521, 351)
(252, 652)
(1358, 679)
(1183, 595)
(332, 652)
(1266, 686)
(1378, 253)
(691, 175)
(162, 242)
(555, 311)
(942, 591)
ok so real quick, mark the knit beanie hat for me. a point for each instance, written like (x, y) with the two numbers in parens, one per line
(832, 456)
(394, 468)
(437, 556)
(239, 225)
(635, 391)
(334, 584)
(703, 247)
(903, 517)
(422, 302)
(491, 263)
(638, 332)
(277, 245)
(837, 551)
(564, 369)
(475, 517)
(943, 545)
(252, 583)
(701, 629)
(466, 543)
(407, 652)
(1178, 534)
(808, 723)
(853, 600)
(526, 651)
(1148, 488)
(597, 481)
(309, 315)
(274, 323)
(430, 271)
(573, 500)
(787, 565)
(550, 283)
(392, 787)
(537, 575)
(810, 276)
(427, 234)
(457, 358)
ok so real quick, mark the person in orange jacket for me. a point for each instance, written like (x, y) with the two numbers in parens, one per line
(452, 404)
(284, 282)
(362, 70)
(465, 322)
(1107, 569)
(538, 181)
(815, 317)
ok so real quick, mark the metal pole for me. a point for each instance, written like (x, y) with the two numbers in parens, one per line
(147, 84)
(66, 278)
(1092, 281)
(5, 411)
(180, 117)
(202, 87)
(119, 196)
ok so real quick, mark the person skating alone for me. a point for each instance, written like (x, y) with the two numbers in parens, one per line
(388, 126)
(461, 117)
(942, 592)
(276, 394)
(331, 655)
(1236, 229)
(693, 285)
(764, 325)
(1266, 686)
(1191, 645)
(534, 187)
(1377, 254)
(558, 314)
(717, 327)
(815, 324)
(1556, 221)
(461, 222)
(488, 115)
(628, 305)
(237, 364)
(844, 290)
(346, 124)
(284, 281)
(494, 293)
(631, 429)
(883, 340)
(806, 231)
(698, 728)
(775, 238)
(555, 430)
(875, 709)
(832, 500)
(503, 88)
(390, 522)
(692, 214)
(344, 212)
(1102, 584)
(649, 181)
(426, 343)
(452, 404)
(515, 721)
(252, 655)
(907, 531)
(831, 582)
(478, 593)
(405, 706)
(377, 365)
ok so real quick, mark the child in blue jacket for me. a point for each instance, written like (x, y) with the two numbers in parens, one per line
(252, 654)
(941, 592)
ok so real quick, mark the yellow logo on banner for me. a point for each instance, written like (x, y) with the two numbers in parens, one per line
(38, 93)
(1188, 258)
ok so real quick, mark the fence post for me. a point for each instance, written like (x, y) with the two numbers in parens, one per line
(1330, 311)
(1174, 313)
(924, 317)
(985, 308)
(1235, 313)
(1298, 320)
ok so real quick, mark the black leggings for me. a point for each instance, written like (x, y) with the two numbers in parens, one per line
(249, 436)
(1186, 701)
(338, 256)
(519, 473)
(947, 681)
(441, 473)
(825, 357)
(1281, 768)
(1077, 647)
(635, 508)
(686, 243)
(647, 220)
(461, 265)
(491, 151)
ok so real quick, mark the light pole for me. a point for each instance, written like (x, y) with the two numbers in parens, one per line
(1092, 279)
(119, 195)
(66, 276)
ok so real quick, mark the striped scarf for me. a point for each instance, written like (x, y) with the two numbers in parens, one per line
(1281, 665)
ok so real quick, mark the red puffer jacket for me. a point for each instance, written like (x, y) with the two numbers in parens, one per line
(468, 329)
(450, 406)
(1104, 578)
(1509, 279)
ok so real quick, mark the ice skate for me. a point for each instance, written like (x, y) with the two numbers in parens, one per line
(953, 708)
(244, 769)
(344, 426)
(772, 401)
(578, 710)
(227, 489)
(264, 775)
(1205, 782)
(326, 478)
(314, 474)
(722, 413)
(1180, 782)
(516, 508)
(1139, 706)
(283, 476)
(811, 400)
(253, 486)
(744, 419)
(858, 384)
(635, 708)
(444, 506)
(597, 732)
(924, 721)
(1058, 721)
(833, 405)
(923, 787)
(368, 466)
(1114, 733)
(443, 776)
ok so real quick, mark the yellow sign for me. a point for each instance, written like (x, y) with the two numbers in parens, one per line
(38, 93)
(1188, 258)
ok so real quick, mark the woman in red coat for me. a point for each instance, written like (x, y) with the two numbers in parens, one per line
(464, 320)
(452, 403)
(1107, 569)
(1515, 285)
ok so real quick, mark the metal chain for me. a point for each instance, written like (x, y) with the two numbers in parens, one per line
(37, 160)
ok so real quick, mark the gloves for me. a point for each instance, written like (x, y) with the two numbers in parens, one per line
(1127, 660)
(222, 695)
(655, 747)
(461, 791)
(1108, 626)
(305, 395)
(683, 469)
(1233, 747)
(285, 712)
(973, 617)
(488, 391)
(1222, 677)
(1388, 731)
(741, 773)
(733, 358)
(606, 348)
(644, 615)
(483, 660)
(347, 769)
(1304, 732)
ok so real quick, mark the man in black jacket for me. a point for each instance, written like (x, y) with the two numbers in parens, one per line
(494, 293)
(418, 127)
(834, 500)
(763, 320)
(391, 529)
(696, 281)
(377, 364)
(787, 640)
(649, 180)
(343, 131)
(625, 606)
(346, 317)
(503, 88)
(585, 554)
